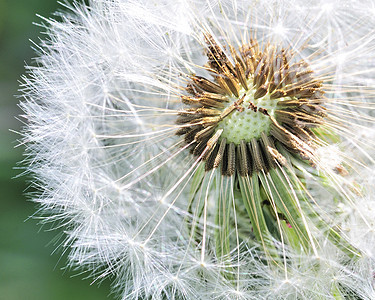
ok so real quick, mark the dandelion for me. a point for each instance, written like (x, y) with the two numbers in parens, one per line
(209, 149)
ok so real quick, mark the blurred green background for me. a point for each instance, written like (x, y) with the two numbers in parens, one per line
(28, 269)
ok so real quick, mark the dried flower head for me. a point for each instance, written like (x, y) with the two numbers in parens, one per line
(209, 149)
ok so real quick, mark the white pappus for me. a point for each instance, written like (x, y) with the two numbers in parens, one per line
(209, 149)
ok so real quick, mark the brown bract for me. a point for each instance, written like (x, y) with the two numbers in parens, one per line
(266, 71)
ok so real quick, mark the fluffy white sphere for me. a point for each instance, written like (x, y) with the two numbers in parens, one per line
(101, 103)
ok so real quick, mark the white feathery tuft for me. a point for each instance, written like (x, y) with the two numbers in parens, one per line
(100, 104)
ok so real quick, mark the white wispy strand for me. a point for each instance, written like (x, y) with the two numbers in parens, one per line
(110, 171)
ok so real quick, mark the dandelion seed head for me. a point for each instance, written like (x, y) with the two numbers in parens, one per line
(208, 149)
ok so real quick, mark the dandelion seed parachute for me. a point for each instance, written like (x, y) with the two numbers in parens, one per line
(273, 98)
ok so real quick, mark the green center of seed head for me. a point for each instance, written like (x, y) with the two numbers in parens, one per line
(244, 123)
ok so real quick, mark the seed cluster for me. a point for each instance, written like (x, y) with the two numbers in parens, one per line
(261, 73)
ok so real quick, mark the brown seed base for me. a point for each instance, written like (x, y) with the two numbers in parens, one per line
(269, 72)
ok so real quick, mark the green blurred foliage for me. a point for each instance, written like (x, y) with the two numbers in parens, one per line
(28, 269)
